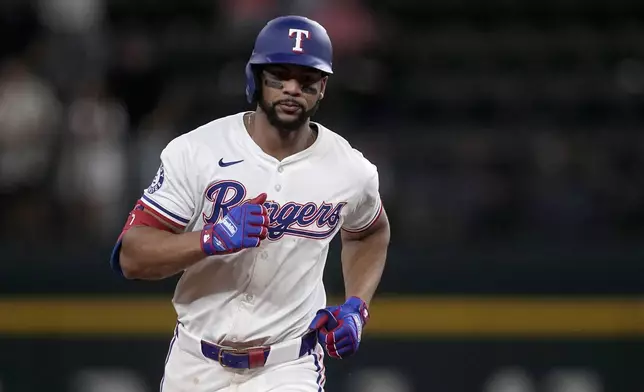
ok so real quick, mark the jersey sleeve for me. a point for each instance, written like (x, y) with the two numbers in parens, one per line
(170, 196)
(368, 205)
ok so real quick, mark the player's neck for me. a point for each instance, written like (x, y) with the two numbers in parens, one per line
(275, 142)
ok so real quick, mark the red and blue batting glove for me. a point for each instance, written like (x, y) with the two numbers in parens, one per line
(245, 226)
(340, 327)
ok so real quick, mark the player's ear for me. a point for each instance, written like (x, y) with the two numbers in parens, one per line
(323, 86)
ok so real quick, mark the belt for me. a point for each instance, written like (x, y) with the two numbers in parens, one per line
(248, 358)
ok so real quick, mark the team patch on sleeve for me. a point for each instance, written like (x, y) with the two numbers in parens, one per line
(157, 181)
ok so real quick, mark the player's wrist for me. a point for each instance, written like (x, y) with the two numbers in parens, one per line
(210, 243)
(360, 307)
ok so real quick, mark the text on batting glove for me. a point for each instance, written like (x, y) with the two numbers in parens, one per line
(340, 327)
(245, 226)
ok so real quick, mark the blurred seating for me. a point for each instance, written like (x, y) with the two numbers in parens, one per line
(503, 120)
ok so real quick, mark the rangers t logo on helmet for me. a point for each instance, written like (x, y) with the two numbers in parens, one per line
(298, 34)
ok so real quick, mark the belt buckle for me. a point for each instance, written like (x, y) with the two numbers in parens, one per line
(220, 355)
(232, 351)
(240, 351)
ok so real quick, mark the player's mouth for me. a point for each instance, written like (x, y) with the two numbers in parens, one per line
(289, 107)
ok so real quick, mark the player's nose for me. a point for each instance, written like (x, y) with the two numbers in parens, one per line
(292, 87)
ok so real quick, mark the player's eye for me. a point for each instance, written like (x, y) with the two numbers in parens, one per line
(277, 74)
(283, 75)
(274, 79)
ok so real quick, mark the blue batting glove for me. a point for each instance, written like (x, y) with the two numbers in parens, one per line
(340, 327)
(243, 227)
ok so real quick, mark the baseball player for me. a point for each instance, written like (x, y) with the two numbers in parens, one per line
(245, 208)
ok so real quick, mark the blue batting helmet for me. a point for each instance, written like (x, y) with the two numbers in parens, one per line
(290, 40)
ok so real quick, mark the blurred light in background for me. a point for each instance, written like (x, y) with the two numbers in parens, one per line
(107, 380)
(512, 379)
(573, 380)
(378, 380)
(71, 16)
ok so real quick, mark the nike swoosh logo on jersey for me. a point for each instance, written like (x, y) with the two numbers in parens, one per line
(225, 164)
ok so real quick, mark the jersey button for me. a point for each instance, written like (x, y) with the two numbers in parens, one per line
(280, 169)
(250, 297)
(278, 187)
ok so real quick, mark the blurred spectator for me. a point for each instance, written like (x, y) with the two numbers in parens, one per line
(92, 176)
(134, 77)
(18, 26)
(30, 115)
(558, 199)
(350, 24)
(75, 46)
(72, 16)
(246, 17)
(156, 131)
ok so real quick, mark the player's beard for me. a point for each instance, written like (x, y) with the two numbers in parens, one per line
(290, 125)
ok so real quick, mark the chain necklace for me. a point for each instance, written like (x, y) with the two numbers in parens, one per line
(250, 123)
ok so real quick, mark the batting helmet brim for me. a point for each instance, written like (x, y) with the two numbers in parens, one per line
(302, 59)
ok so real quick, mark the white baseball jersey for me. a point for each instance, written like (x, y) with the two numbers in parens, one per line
(271, 293)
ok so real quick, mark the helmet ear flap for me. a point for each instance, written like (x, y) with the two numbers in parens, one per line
(253, 83)
(258, 83)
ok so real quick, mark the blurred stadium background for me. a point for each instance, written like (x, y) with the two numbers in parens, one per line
(509, 140)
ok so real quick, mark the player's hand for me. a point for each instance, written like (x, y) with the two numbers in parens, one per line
(340, 327)
(245, 226)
